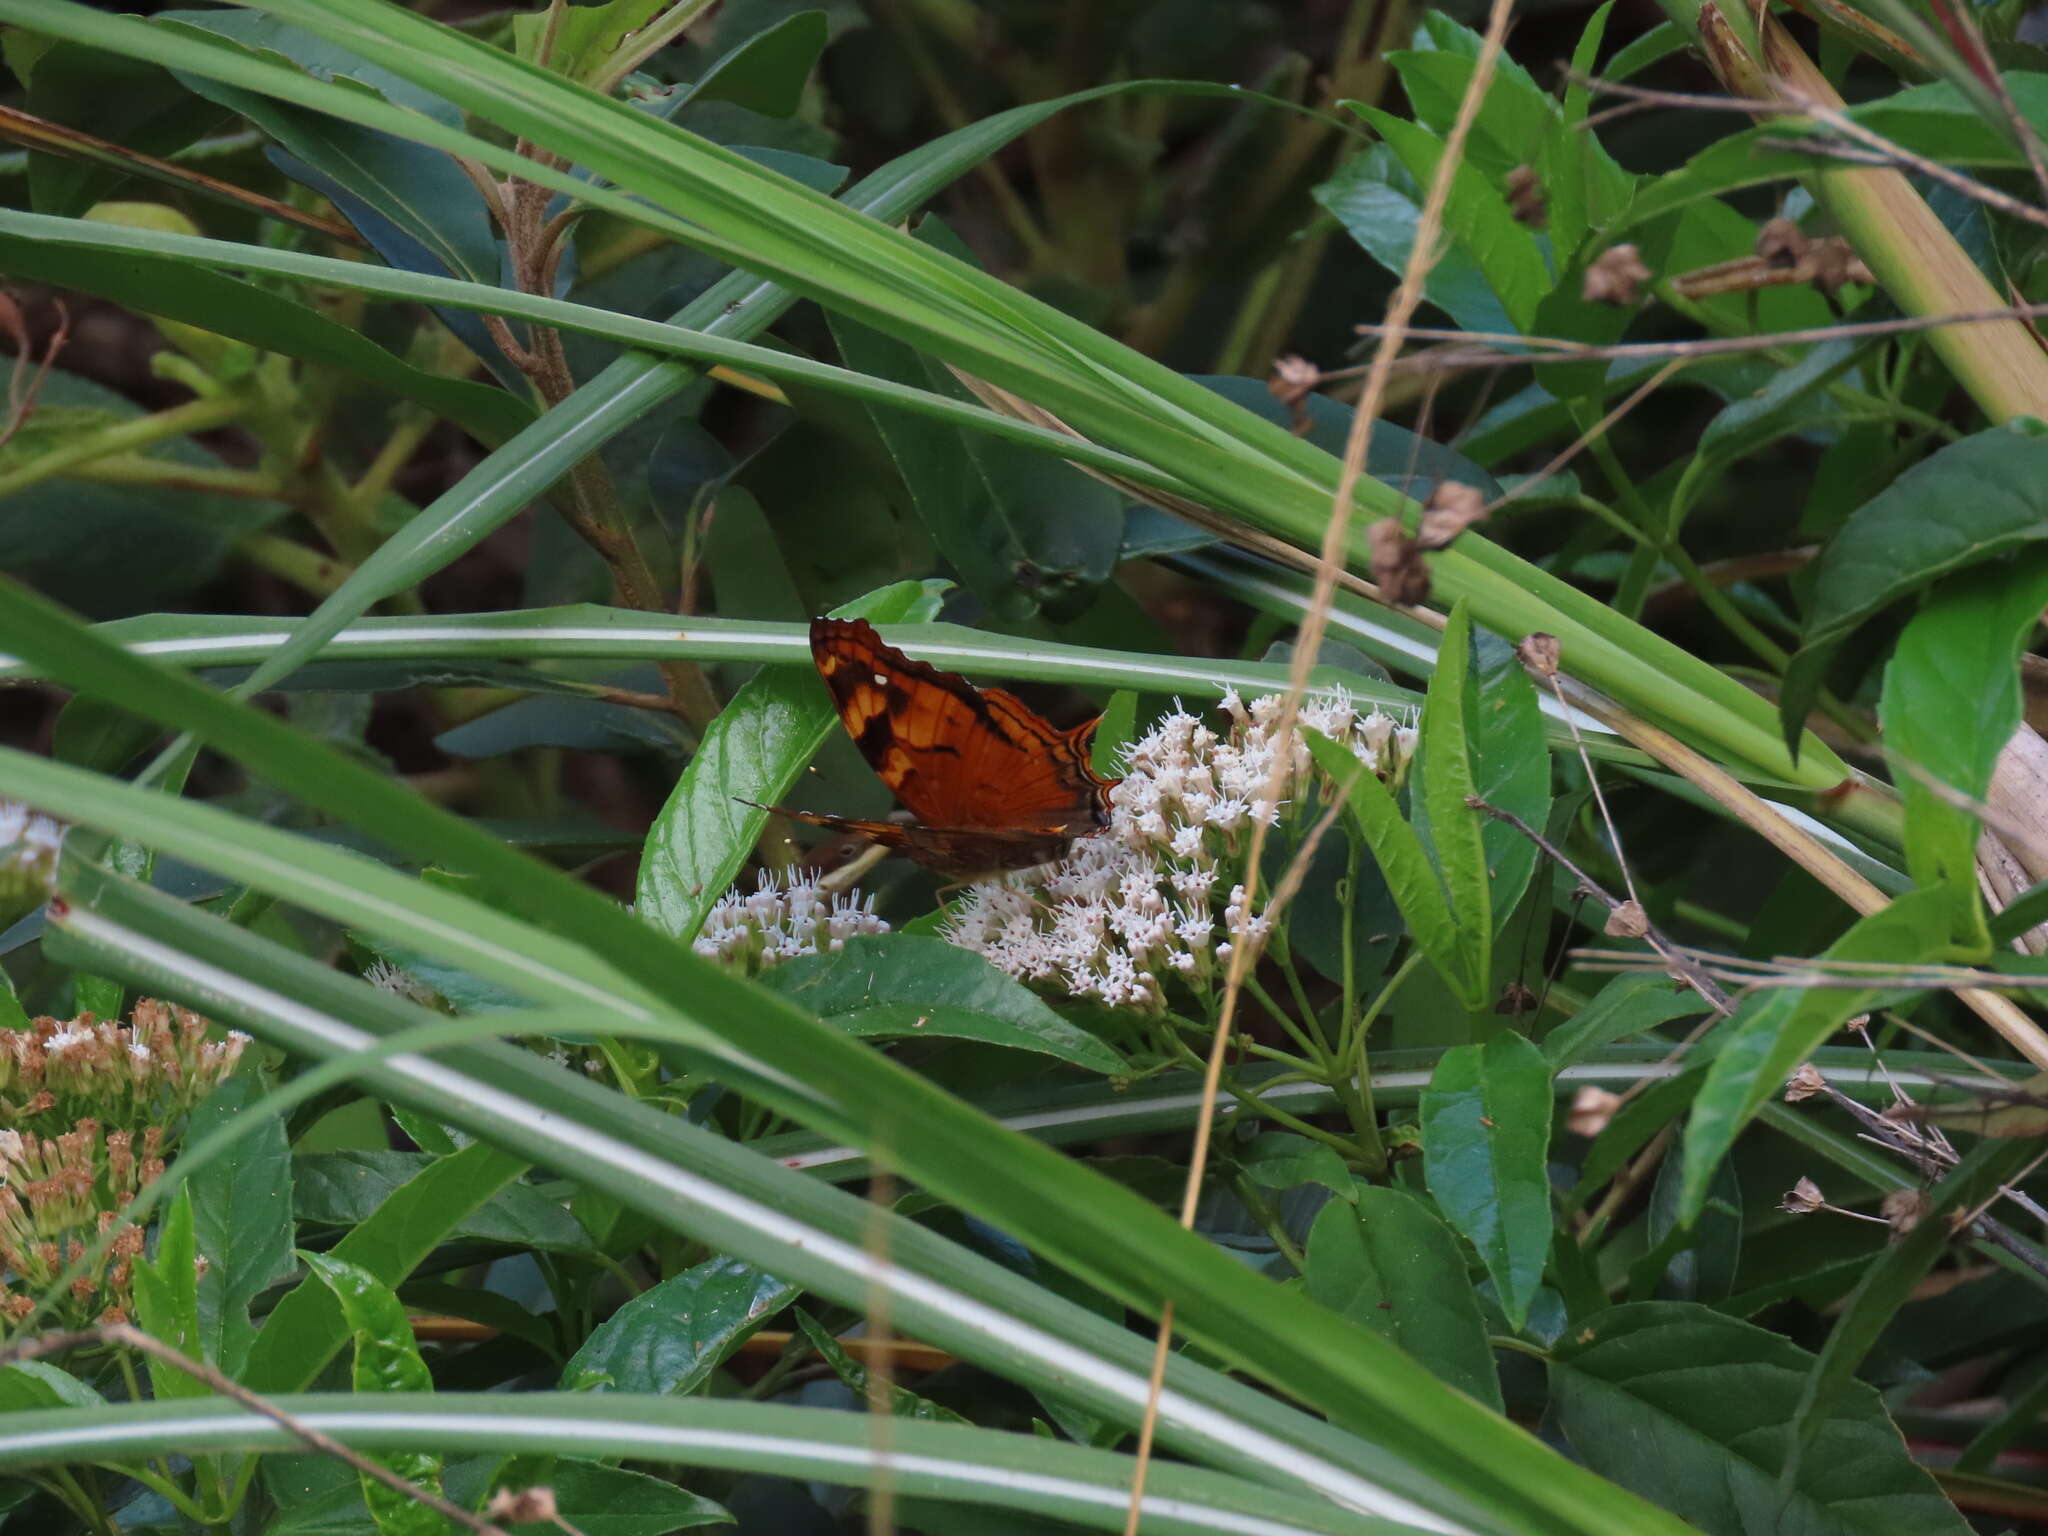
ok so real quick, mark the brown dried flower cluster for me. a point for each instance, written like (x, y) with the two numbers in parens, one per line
(151, 1070)
(88, 1113)
(56, 1194)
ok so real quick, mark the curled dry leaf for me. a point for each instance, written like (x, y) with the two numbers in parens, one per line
(1616, 276)
(1781, 243)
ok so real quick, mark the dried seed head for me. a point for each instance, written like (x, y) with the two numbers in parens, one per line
(1540, 653)
(1616, 276)
(1805, 1197)
(517, 1506)
(1592, 1109)
(1627, 921)
(1397, 567)
(1450, 510)
(1903, 1210)
(1804, 1084)
(1781, 243)
(1525, 196)
(1833, 263)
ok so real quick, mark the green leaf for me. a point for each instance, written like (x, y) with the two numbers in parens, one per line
(902, 986)
(1693, 1409)
(1777, 1028)
(1510, 767)
(1951, 702)
(27, 1385)
(387, 1359)
(766, 73)
(1485, 1136)
(1379, 205)
(1278, 1160)
(1450, 829)
(1475, 215)
(126, 101)
(1023, 531)
(754, 750)
(241, 1214)
(672, 1336)
(585, 36)
(1388, 1263)
(166, 1291)
(1969, 502)
(591, 1498)
(476, 1200)
(903, 1403)
(1626, 1006)
(1405, 866)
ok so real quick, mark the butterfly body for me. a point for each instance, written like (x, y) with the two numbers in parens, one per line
(991, 784)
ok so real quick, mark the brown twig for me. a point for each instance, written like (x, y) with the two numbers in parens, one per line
(128, 1336)
(1677, 959)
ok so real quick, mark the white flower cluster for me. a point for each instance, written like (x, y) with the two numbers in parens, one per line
(29, 843)
(1140, 900)
(789, 915)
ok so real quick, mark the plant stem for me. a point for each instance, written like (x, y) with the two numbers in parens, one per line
(125, 436)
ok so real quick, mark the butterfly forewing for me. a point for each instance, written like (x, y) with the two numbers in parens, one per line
(992, 784)
(957, 756)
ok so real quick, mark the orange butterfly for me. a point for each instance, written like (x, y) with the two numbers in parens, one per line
(992, 784)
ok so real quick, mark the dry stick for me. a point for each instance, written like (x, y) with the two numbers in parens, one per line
(1677, 958)
(1543, 349)
(1308, 641)
(2021, 1032)
(134, 1338)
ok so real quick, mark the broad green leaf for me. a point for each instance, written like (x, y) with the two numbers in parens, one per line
(1279, 1160)
(1777, 1028)
(1510, 767)
(1380, 206)
(1388, 1263)
(1485, 1136)
(1693, 1409)
(1695, 1261)
(166, 1292)
(754, 750)
(387, 1359)
(1951, 702)
(29, 1385)
(1625, 1006)
(672, 1336)
(241, 1214)
(1476, 215)
(1446, 781)
(585, 36)
(307, 1326)
(1969, 502)
(766, 73)
(1024, 532)
(1405, 866)
(591, 1498)
(902, 986)
(474, 1199)
(903, 1403)
(126, 101)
